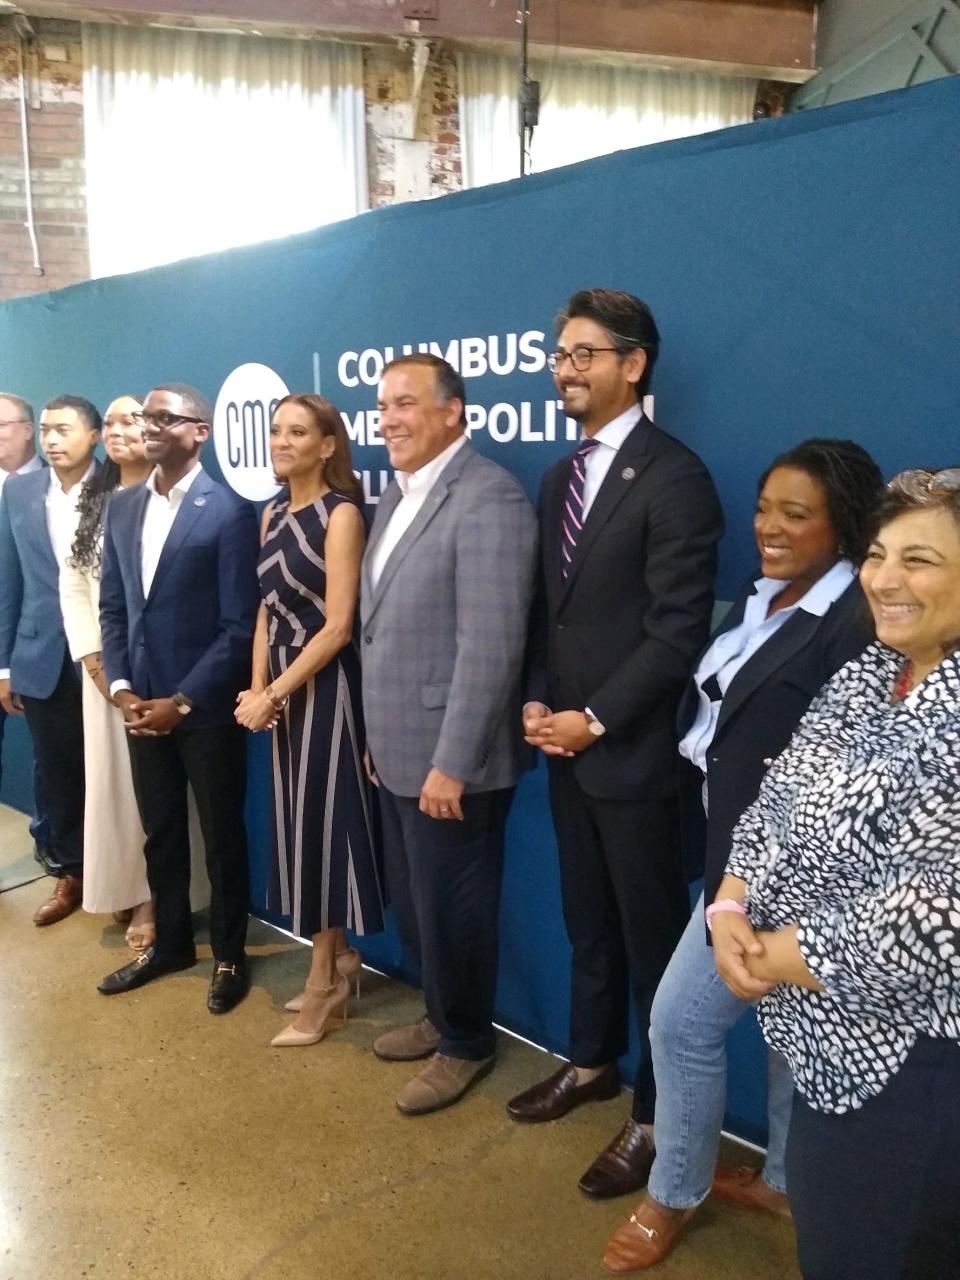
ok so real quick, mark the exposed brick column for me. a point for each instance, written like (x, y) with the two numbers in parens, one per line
(54, 75)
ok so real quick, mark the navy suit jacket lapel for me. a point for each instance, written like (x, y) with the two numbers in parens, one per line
(632, 459)
(690, 702)
(138, 514)
(189, 512)
(793, 635)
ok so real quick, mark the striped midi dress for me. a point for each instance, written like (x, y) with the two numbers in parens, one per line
(325, 871)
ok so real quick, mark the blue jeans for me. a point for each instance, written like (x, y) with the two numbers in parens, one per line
(692, 1012)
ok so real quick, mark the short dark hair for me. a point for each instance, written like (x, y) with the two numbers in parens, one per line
(448, 382)
(88, 413)
(198, 404)
(907, 492)
(23, 406)
(852, 485)
(627, 319)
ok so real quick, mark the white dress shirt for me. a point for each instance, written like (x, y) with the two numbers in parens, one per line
(415, 486)
(62, 514)
(734, 648)
(32, 464)
(599, 461)
(157, 522)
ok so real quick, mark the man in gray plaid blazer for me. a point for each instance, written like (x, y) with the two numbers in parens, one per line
(446, 590)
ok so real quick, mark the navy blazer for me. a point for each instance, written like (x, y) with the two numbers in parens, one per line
(620, 634)
(194, 631)
(32, 640)
(762, 706)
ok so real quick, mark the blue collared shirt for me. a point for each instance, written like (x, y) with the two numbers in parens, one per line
(732, 649)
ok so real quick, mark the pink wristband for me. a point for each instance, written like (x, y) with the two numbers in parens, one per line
(724, 904)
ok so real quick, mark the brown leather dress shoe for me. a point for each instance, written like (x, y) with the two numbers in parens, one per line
(646, 1237)
(621, 1168)
(744, 1186)
(64, 900)
(553, 1098)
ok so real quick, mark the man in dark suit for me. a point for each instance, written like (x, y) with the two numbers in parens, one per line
(38, 520)
(178, 603)
(629, 525)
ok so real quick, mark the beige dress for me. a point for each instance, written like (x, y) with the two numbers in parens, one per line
(114, 869)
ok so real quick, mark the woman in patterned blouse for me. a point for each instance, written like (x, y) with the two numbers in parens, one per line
(841, 909)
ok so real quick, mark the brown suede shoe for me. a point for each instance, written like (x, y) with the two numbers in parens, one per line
(407, 1044)
(621, 1168)
(560, 1093)
(646, 1237)
(441, 1083)
(745, 1186)
(66, 897)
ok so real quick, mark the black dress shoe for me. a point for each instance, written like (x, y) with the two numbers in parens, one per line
(229, 984)
(147, 966)
(621, 1168)
(553, 1098)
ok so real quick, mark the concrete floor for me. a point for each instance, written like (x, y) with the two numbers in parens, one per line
(141, 1136)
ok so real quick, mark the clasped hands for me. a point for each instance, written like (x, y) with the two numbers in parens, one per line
(556, 733)
(255, 711)
(147, 717)
(752, 962)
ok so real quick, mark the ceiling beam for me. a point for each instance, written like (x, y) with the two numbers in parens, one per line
(769, 38)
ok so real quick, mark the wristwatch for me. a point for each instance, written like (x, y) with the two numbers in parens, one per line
(182, 703)
(593, 724)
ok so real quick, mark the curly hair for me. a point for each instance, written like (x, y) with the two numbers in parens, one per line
(851, 482)
(87, 543)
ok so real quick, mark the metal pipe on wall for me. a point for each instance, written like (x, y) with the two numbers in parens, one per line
(30, 223)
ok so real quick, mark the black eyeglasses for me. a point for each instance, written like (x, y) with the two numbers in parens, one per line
(163, 419)
(580, 357)
(919, 483)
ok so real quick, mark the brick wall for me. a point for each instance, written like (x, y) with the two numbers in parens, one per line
(413, 146)
(54, 71)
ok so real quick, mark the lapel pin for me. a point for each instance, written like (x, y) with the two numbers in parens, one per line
(628, 473)
(199, 502)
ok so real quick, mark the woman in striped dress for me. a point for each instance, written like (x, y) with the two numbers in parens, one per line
(306, 687)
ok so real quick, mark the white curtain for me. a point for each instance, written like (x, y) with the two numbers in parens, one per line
(197, 141)
(586, 110)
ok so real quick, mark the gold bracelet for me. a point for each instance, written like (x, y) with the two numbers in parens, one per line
(277, 703)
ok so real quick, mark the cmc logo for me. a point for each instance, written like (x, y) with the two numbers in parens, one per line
(241, 430)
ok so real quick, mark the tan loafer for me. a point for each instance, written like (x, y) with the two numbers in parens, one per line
(441, 1083)
(646, 1237)
(744, 1186)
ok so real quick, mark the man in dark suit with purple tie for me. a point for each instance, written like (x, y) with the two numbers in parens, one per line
(629, 525)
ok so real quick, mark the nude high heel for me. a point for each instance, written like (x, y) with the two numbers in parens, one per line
(349, 964)
(331, 1008)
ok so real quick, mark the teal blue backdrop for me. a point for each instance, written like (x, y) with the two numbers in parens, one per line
(804, 275)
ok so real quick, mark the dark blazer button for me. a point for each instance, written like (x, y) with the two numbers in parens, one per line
(368, 639)
(560, 626)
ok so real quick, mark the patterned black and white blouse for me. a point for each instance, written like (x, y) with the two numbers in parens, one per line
(855, 837)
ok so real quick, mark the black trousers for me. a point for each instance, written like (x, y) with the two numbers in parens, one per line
(444, 880)
(56, 726)
(625, 907)
(875, 1192)
(213, 761)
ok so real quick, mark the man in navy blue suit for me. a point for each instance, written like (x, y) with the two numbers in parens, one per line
(38, 520)
(178, 604)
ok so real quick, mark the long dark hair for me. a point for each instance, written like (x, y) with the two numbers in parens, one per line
(338, 471)
(86, 548)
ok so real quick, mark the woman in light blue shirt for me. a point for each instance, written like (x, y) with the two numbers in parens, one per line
(784, 637)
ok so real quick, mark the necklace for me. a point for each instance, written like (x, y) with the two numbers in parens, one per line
(903, 683)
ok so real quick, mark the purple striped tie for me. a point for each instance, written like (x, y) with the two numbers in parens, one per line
(573, 507)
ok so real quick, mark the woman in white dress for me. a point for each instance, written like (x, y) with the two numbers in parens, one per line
(115, 873)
